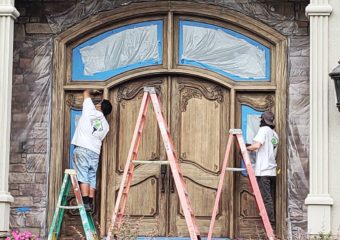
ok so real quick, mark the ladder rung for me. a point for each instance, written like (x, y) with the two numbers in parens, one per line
(150, 162)
(235, 131)
(71, 171)
(70, 207)
(235, 169)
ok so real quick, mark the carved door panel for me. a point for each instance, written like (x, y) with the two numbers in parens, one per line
(146, 206)
(249, 107)
(199, 123)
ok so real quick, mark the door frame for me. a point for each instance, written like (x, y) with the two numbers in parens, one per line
(168, 11)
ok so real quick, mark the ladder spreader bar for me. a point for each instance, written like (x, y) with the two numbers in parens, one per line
(151, 162)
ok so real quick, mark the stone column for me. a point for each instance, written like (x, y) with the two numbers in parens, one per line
(319, 201)
(8, 14)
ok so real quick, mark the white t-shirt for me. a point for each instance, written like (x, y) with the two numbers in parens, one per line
(91, 129)
(265, 158)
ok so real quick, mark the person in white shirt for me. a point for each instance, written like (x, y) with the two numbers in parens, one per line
(91, 129)
(265, 143)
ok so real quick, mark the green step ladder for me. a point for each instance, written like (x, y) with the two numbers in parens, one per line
(86, 218)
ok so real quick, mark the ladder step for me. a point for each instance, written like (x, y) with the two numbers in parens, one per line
(70, 207)
(235, 169)
(165, 162)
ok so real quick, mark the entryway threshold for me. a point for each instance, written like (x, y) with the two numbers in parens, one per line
(175, 238)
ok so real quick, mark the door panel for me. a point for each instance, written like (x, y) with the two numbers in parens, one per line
(146, 204)
(199, 122)
(248, 222)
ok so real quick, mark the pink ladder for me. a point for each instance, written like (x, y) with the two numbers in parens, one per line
(118, 212)
(263, 213)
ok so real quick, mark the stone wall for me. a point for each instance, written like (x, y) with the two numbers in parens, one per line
(32, 79)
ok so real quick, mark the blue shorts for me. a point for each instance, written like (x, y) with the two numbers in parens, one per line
(85, 162)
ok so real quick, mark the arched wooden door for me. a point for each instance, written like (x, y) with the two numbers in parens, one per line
(197, 112)
(207, 85)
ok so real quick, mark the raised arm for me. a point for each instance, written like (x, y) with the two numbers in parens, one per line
(86, 94)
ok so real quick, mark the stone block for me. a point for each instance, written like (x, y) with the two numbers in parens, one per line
(284, 9)
(19, 32)
(16, 220)
(18, 79)
(21, 178)
(36, 163)
(17, 168)
(19, 117)
(23, 19)
(35, 218)
(21, 10)
(38, 28)
(17, 158)
(14, 192)
(40, 178)
(40, 145)
(38, 133)
(18, 89)
(25, 63)
(34, 19)
(22, 201)
(13, 186)
(299, 66)
(40, 202)
(36, 190)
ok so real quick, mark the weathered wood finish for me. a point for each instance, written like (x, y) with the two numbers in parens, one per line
(200, 107)
(199, 120)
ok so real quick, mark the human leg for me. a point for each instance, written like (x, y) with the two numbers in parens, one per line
(264, 183)
(81, 165)
(92, 177)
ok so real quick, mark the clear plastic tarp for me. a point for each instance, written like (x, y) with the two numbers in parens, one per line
(31, 121)
(222, 49)
(128, 47)
(30, 134)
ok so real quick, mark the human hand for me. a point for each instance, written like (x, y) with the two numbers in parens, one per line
(96, 92)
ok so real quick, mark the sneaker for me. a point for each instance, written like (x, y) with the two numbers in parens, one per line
(87, 207)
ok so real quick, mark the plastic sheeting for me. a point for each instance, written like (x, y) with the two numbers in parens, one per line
(214, 47)
(30, 133)
(33, 136)
(121, 49)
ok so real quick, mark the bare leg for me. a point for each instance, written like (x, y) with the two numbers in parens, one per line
(85, 189)
(92, 192)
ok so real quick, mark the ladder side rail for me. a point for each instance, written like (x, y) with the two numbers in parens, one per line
(220, 186)
(56, 213)
(255, 187)
(132, 154)
(121, 209)
(190, 219)
(83, 215)
(63, 203)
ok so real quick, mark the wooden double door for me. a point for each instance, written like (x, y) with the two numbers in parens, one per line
(199, 114)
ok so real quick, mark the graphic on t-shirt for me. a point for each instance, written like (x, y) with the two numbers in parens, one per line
(97, 125)
(274, 142)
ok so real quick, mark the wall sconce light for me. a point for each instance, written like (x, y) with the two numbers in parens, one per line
(335, 75)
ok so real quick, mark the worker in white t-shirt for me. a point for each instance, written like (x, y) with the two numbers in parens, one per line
(91, 129)
(265, 144)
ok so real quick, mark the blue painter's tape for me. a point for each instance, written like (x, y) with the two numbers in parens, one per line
(23, 209)
(78, 65)
(214, 69)
(74, 114)
(245, 111)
